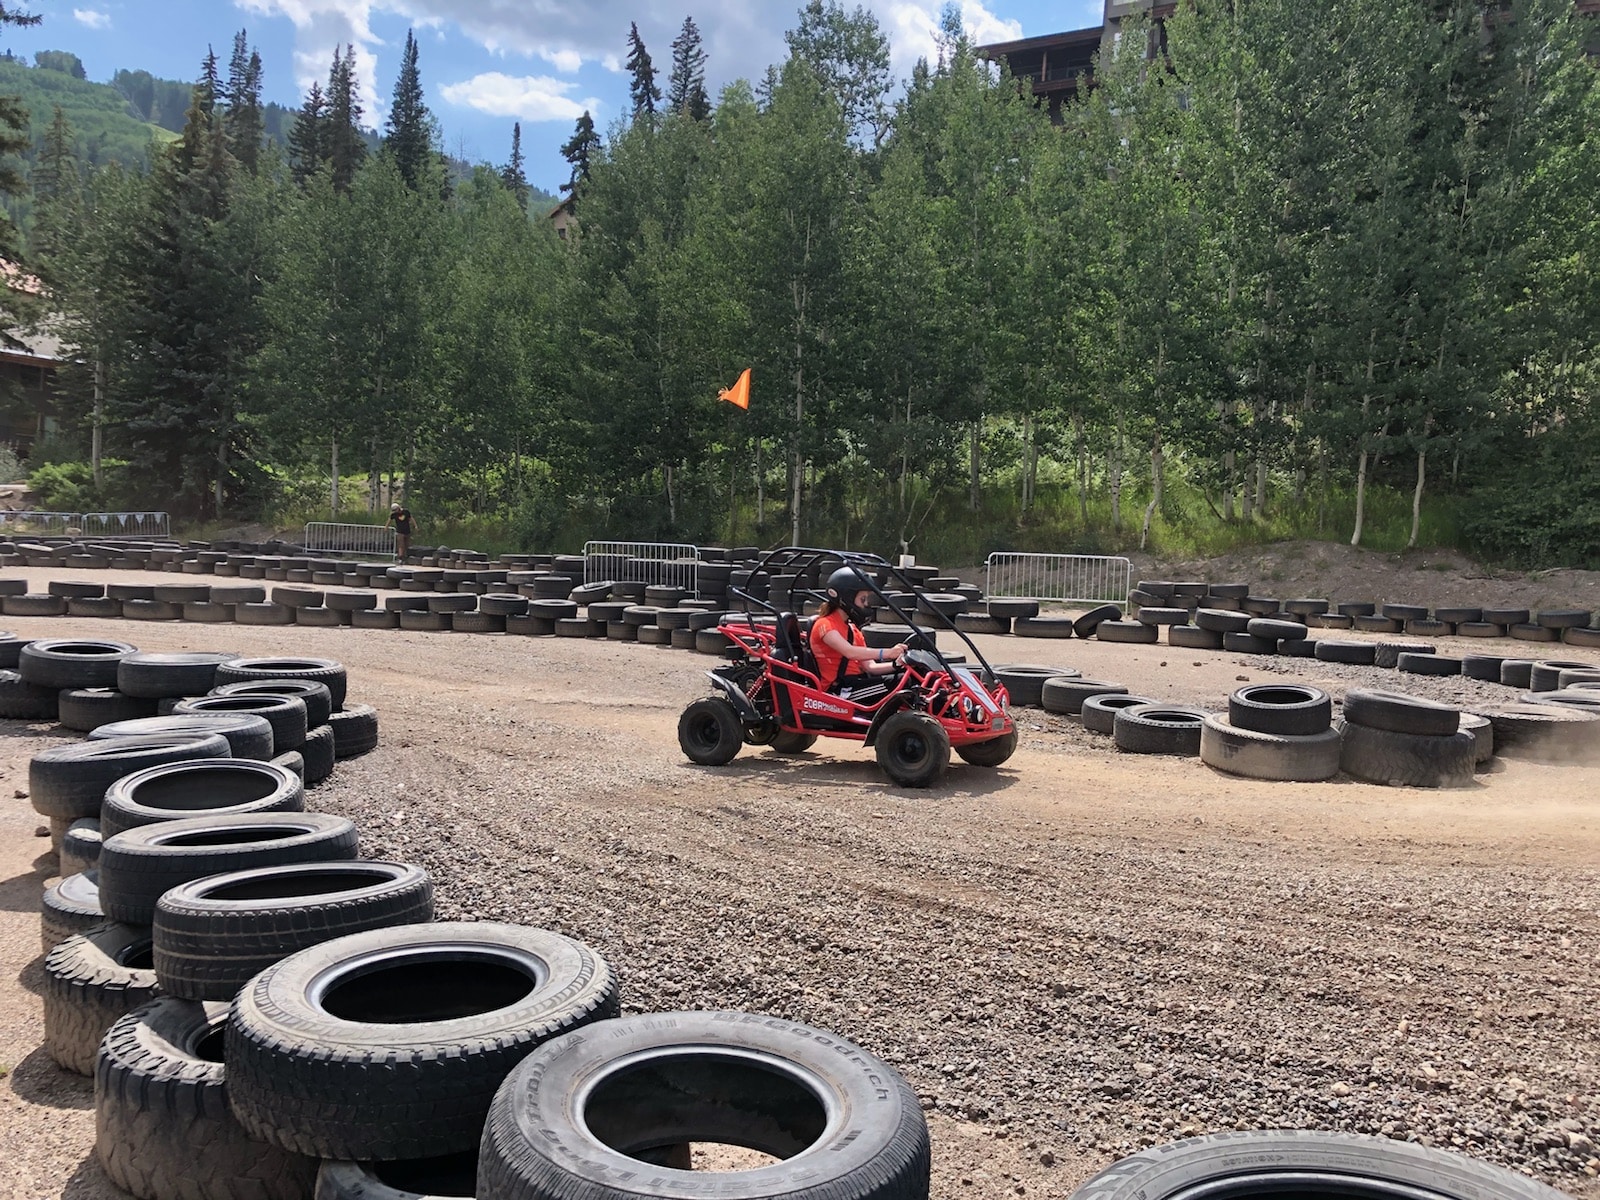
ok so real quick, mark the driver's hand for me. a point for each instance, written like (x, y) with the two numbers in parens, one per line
(898, 652)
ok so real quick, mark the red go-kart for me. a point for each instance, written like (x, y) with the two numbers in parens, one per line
(770, 695)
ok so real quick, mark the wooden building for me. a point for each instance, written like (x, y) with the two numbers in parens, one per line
(28, 367)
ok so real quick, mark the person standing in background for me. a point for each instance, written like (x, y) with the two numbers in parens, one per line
(400, 518)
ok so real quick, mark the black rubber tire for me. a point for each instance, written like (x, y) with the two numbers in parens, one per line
(1099, 712)
(1408, 759)
(1480, 629)
(1356, 608)
(1158, 729)
(316, 1042)
(1086, 625)
(71, 781)
(1405, 612)
(1044, 627)
(86, 709)
(21, 701)
(426, 622)
(477, 622)
(214, 787)
(355, 731)
(792, 743)
(1192, 637)
(1277, 1164)
(1268, 629)
(1219, 620)
(1248, 643)
(80, 847)
(63, 663)
(1284, 758)
(1131, 632)
(1482, 731)
(138, 865)
(1427, 627)
(1387, 654)
(1284, 709)
(90, 980)
(286, 714)
(1580, 698)
(1429, 664)
(1485, 667)
(1065, 696)
(213, 934)
(750, 1080)
(162, 1125)
(982, 623)
(1575, 675)
(315, 695)
(1545, 732)
(69, 907)
(450, 1175)
(1458, 616)
(323, 670)
(1565, 618)
(155, 675)
(33, 604)
(1359, 654)
(1024, 682)
(1588, 639)
(1399, 713)
(350, 600)
(995, 752)
(913, 749)
(1546, 675)
(1377, 624)
(710, 732)
(1152, 615)
(1517, 673)
(291, 760)
(247, 735)
(1506, 616)
(319, 754)
(1528, 632)
(1010, 608)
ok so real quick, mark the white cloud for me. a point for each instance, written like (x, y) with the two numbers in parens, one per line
(913, 28)
(565, 61)
(526, 97)
(92, 18)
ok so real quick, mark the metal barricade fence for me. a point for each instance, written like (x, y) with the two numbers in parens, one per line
(375, 540)
(39, 524)
(668, 564)
(1064, 578)
(126, 524)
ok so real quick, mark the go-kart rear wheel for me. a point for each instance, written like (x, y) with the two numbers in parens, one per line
(913, 749)
(710, 731)
(991, 753)
(793, 743)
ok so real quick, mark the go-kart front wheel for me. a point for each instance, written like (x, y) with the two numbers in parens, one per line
(913, 749)
(710, 732)
(991, 753)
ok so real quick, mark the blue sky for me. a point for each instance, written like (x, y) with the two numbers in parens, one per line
(487, 63)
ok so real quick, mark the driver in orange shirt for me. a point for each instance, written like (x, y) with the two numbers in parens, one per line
(844, 663)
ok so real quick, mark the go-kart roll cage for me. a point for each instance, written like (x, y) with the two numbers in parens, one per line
(799, 560)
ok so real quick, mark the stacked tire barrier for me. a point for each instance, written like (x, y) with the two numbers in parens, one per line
(1280, 732)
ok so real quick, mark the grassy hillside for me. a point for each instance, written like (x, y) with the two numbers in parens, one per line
(107, 129)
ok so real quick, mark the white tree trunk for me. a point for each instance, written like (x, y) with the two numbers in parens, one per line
(1416, 499)
(333, 468)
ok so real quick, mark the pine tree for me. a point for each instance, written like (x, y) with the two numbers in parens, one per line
(409, 140)
(512, 174)
(579, 151)
(686, 88)
(308, 135)
(243, 122)
(642, 86)
(343, 147)
(14, 140)
(57, 195)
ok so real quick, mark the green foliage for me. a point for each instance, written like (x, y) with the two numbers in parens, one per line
(10, 466)
(70, 486)
(105, 130)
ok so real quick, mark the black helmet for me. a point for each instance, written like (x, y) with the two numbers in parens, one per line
(843, 587)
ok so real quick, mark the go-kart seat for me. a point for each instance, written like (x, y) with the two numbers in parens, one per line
(792, 646)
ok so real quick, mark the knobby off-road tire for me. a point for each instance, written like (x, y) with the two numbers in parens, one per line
(993, 752)
(212, 934)
(1304, 758)
(162, 1125)
(218, 787)
(1289, 709)
(1099, 713)
(355, 731)
(793, 743)
(391, 1043)
(405, 1179)
(1158, 729)
(584, 1114)
(71, 781)
(248, 735)
(68, 908)
(913, 749)
(137, 866)
(1399, 713)
(90, 980)
(1277, 1164)
(710, 732)
(1408, 759)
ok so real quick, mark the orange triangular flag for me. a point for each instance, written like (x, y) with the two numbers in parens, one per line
(739, 393)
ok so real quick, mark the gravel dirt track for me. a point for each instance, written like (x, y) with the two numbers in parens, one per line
(1071, 957)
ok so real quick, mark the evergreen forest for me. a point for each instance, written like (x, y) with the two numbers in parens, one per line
(1285, 269)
